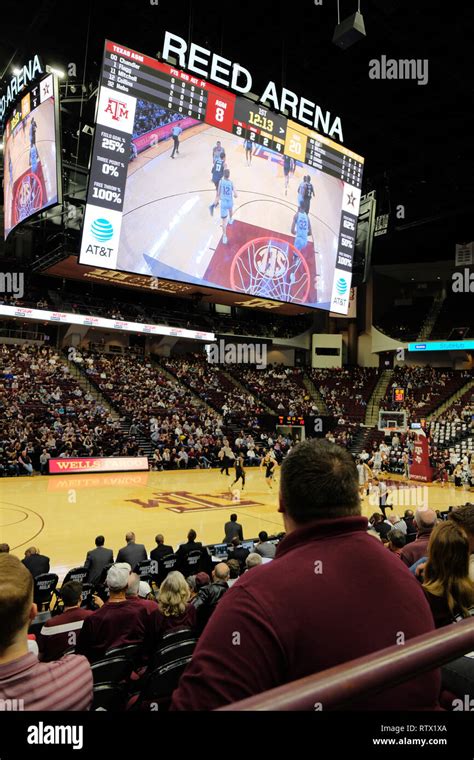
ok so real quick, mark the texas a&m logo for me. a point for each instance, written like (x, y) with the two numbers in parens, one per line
(185, 501)
(117, 109)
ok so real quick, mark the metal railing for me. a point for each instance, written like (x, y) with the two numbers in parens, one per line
(342, 685)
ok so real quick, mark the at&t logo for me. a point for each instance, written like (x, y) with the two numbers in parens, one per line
(102, 230)
(341, 286)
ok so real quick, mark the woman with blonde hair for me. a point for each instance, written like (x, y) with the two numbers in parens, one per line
(447, 586)
(173, 603)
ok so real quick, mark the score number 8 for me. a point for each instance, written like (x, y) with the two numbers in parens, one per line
(220, 113)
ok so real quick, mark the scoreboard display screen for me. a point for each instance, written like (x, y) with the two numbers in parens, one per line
(399, 395)
(32, 180)
(193, 183)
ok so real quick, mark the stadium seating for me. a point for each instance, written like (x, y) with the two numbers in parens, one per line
(347, 391)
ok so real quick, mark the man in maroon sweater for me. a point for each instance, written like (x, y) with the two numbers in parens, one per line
(425, 520)
(118, 623)
(60, 633)
(313, 606)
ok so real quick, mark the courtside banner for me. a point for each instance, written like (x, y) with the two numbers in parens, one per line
(96, 464)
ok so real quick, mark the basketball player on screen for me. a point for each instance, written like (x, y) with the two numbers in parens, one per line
(225, 194)
(217, 150)
(301, 229)
(248, 145)
(288, 168)
(33, 128)
(217, 174)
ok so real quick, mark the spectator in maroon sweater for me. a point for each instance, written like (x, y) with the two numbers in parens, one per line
(425, 520)
(60, 633)
(133, 594)
(62, 685)
(311, 608)
(120, 622)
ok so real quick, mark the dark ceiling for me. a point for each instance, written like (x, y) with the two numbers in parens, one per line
(416, 138)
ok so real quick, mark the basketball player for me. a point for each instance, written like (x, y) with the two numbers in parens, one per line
(269, 463)
(217, 150)
(308, 192)
(175, 132)
(34, 158)
(33, 128)
(217, 174)
(226, 195)
(288, 168)
(248, 145)
(301, 228)
(239, 471)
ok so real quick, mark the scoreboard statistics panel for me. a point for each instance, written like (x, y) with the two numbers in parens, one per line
(252, 202)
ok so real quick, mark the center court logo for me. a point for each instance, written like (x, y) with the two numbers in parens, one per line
(102, 230)
(341, 286)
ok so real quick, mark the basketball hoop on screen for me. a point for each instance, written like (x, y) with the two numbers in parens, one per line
(271, 268)
(28, 197)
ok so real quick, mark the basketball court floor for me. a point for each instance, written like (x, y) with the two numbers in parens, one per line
(62, 515)
(168, 231)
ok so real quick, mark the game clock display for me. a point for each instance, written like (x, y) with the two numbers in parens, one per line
(193, 183)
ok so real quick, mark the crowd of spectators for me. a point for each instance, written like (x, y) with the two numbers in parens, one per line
(45, 413)
(280, 388)
(425, 389)
(346, 391)
(149, 116)
(211, 384)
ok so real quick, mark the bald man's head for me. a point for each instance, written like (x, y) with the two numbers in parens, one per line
(221, 572)
(425, 519)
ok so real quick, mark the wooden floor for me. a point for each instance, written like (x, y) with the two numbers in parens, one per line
(62, 515)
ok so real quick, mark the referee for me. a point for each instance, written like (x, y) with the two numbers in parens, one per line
(175, 132)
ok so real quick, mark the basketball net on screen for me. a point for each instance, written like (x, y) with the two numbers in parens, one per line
(271, 268)
(28, 197)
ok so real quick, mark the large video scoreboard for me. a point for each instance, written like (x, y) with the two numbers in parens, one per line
(275, 264)
(32, 155)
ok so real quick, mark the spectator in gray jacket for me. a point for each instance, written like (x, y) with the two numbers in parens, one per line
(264, 547)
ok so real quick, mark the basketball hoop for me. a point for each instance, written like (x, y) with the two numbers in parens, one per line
(28, 197)
(271, 268)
